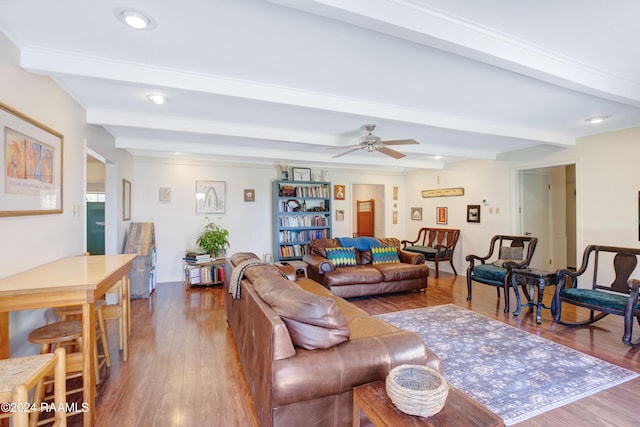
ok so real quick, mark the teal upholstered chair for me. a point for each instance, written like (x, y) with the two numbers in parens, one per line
(495, 270)
(620, 298)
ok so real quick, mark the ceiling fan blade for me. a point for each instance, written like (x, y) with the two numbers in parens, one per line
(341, 147)
(347, 152)
(389, 152)
(400, 142)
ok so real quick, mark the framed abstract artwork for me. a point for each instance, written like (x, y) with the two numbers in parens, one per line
(210, 197)
(31, 158)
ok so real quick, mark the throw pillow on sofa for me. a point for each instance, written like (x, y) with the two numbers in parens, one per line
(342, 257)
(384, 255)
(313, 321)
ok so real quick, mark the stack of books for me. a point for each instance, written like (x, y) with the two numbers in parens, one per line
(197, 257)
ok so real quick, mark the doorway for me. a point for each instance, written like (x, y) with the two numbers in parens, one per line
(95, 205)
(365, 218)
(547, 209)
(369, 192)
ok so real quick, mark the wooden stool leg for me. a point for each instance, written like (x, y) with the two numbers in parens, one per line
(104, 339)
(21, 399)
(60, 386)
(95, 361)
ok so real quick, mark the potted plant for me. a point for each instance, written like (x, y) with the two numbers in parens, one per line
(213, 239)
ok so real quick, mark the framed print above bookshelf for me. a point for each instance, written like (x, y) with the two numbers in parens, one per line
(301, 174)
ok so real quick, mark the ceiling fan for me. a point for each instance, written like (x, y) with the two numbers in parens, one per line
(372, 143)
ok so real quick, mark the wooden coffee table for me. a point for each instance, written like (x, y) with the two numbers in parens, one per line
(459, 410)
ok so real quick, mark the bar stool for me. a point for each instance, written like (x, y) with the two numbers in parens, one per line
(21, 374)
(73, 311)
(60, 334)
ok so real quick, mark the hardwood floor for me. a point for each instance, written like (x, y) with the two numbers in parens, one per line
(183, 368)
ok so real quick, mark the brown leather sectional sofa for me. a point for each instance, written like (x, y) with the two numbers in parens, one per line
(365, 278)
(303, 349)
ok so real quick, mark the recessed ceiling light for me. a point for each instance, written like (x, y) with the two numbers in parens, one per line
(135, 19)
(437, 157)
(156, 98)
(596, 119)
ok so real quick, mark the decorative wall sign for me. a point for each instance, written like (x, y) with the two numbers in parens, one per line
(249, 195)
(31, 161)
(443, 192)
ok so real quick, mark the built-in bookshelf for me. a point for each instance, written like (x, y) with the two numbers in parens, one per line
(301, 213)
(202, 270)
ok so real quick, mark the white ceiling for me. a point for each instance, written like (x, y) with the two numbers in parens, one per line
(293, 81)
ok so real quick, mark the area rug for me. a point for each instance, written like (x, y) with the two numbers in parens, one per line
(515, 374)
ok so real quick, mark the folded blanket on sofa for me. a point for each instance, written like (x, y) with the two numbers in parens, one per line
(360, 243)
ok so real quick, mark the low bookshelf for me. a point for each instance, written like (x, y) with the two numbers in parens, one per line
(203, 270)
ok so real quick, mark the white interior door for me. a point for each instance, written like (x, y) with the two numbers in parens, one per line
(536, 215)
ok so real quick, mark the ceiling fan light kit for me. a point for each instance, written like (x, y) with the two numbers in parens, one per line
(373, 143)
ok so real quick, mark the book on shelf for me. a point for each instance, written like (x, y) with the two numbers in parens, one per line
(197, 256)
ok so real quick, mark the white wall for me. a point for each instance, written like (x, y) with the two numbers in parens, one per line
(481, 179)
(249, 223)
(29, 241)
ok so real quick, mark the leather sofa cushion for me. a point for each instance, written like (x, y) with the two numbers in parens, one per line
(367, 326)
(313, 321)
(400, 271)
(358, 274)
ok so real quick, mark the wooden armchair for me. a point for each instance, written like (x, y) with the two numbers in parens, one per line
(620, 298)
(513, 252)
(436, 244)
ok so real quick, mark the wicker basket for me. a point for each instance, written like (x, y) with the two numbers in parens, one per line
(417, 390)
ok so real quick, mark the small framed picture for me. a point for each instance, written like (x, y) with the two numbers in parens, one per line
(249, 195)
(301, 174)
(416, 214)
(441, 215)
(473, 213)
(338, 192)
(340, 215)
(395, 217)
(164, 194)
(126, 200)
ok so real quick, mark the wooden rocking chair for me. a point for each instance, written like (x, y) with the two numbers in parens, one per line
(619, 298)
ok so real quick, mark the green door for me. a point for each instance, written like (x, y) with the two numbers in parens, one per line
(95, 228)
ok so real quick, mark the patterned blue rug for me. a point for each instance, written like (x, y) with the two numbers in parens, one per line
(515, 374)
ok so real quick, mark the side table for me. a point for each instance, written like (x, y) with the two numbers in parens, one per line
(459, 410)
(534, 278)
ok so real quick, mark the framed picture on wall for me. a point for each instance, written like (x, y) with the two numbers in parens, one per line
(210, 196)
(31, 159)
(416, 214)
(473, 213)
(441, 215)
(126, 200)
